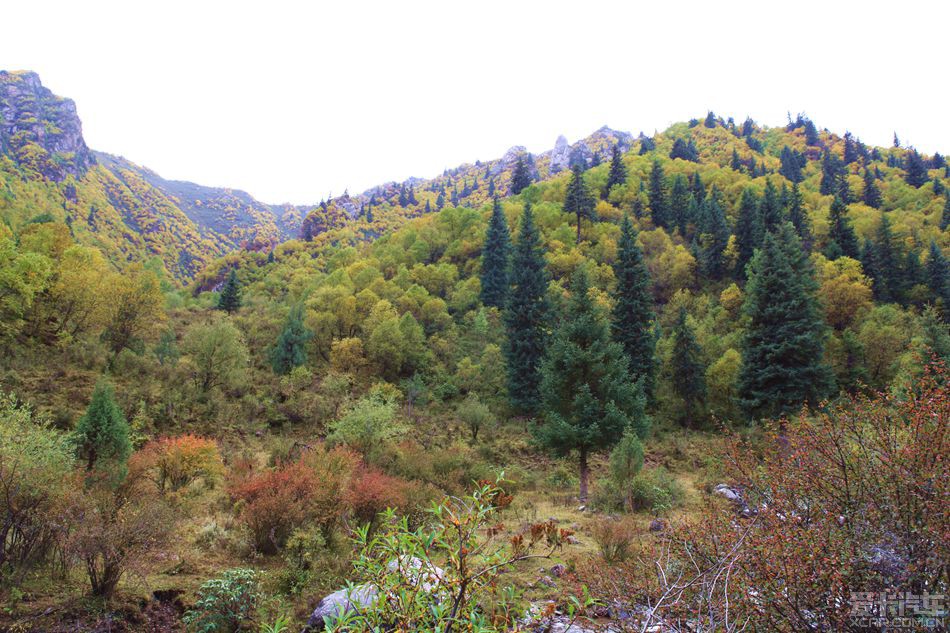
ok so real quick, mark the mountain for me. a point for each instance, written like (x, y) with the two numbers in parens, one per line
(131, 213)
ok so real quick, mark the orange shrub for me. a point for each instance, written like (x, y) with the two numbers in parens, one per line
(370, 492)
(175, 462)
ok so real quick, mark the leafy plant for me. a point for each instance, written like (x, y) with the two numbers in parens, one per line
(226, 603)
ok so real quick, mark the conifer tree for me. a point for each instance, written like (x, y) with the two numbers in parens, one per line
(632, 324)
(102, 434)
(589, 399)
(579, 199)
(748, 231)
(713, 238)
(871, 267)
(916, 169)
(618, 171)
(841, 238)
(696, 187)
(850, 149)
(871, 195)
(799, 217)
(945, 217)
(770, 208)
(887, 259)
(938, 278)
(811, 133)
(230, 298)
(495, 256)
(526, 318)
(290, 350)
(791, 165)
(688, 369)
(659, 206)
(783, 347)
(911, 274)
(736, 164)
(679, 203)
(520, 176)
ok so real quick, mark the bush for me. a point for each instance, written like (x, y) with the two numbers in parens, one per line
(655, 490)
(175, 462)
(475, 414)
(370, 492)
(367, 425)
(614, 538)
(225, 604)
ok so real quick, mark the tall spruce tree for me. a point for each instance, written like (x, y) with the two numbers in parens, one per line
(632, 324)
(679, 203)
(872, 194)
(783, 347)
(713, 237)
(290, 350)
(526, 318)
(495, 259)
(799, 217)
(102, 434)
(888, 261)
(589, 399)
(842, 240)
(659, 205)
(748, 231)
(770, 208)
(579, 199)
(945, 217)
(689, 371)
(520, 176)
(618, 171)
(938, 278)
(916, 169)
(230, 298)
(871, 267)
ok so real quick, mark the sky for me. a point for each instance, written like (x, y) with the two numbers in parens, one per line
(297, 101)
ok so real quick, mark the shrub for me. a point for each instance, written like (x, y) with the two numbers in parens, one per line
(614, 538)
(367, 424)
(175, 462)
(474, 414)
(370, 492)
(626, 460)
(226, 603)
(655, 490)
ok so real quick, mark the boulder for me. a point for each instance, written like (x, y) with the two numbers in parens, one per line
(560, 155)
(340, 603)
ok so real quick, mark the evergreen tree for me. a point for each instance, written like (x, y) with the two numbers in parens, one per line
(916, 169)
(618, 171)
(526, 317)
(887, 261)
(230, 298)
(689, 372)
(713, 238)
(632, 324)
(696, 187)
(872, 195)
(679, 203)
(684, 150)
(710, 121)
(834, 178)
(646, 145)
(495, 255)
(748, 230)
(290, 350)
(783, 347)
(659, 206)
(270, 256)
(770, 208)
(736, 164)
(912, 274)
(520, 176)
(945, 218)
(811, 133)
(589, 399)
(938, 278)
(799, 217)
(102, 434)
(871, 267)
(850, 149)
(792, 164)
(841, 238)
(579, 199)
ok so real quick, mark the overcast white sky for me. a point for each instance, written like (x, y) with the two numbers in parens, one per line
(293, 101)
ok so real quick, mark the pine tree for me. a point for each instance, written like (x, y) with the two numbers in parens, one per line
(102, 434)
(736, 164)
(850, 149)
(230, 298)
(579, 199)
(713, 238)
(526, 318)
(696, 187)
(791, 165)
(618, 171)
(689, 372)
(916, 169)
(495, 256)
(887, 260)
(748, 231)
(632, 324)
(659, 206)
(871, 267)
(945, 218)
(783, 347)
(290, 350)
(589, 399)
(770, 208)
(520, 176)
(841, 238)
(834, 180)
(938, 278)
(872, 195)
(799, 217)
(811, 133)
(679, 203)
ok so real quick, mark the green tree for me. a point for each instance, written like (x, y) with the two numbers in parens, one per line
(713, 237)
(842, 240)
(102, 434)
(938, 278)
(679, 203)
(748, 231)
(618, 171)
(216, 355)
(588, 396)
(579, 199)
(945, 217)
(520, 176)
(659, 205)
(887, 262)
(783, 347)
(799, 217)
(770, 208)
(916, 169)
(632, 324)
(230, 298)
(526, 318)
(689, 371)
(290, 350)
(495, 256)
(872, 194)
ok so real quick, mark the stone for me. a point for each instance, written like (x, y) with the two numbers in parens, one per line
(657, 525)
(726, 492)
(558, 570)
(560, 155)
(340, 603)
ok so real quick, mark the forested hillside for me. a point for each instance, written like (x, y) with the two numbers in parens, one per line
(691, 351)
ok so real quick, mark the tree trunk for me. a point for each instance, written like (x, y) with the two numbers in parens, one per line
(578, 228)
(585, 476)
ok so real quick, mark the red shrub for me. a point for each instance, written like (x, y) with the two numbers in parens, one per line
(370, 492)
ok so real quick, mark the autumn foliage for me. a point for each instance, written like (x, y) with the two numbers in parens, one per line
(175, 462)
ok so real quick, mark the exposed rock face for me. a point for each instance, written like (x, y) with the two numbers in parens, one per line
(560, 155)
(40, 130)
